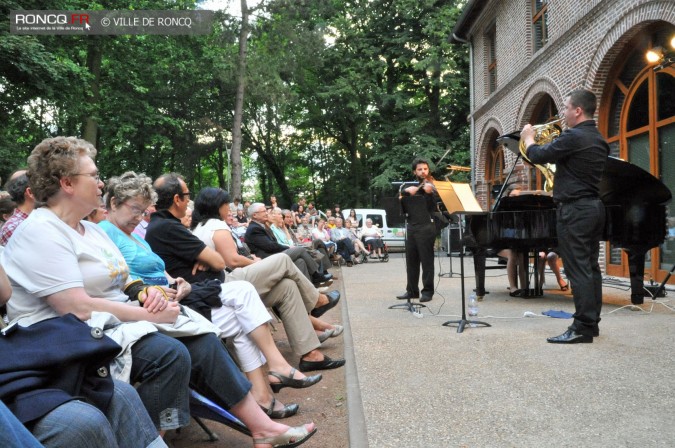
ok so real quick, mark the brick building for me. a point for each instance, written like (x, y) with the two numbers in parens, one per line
(526, 55)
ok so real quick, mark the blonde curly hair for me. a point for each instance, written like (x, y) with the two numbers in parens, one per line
(53, 159)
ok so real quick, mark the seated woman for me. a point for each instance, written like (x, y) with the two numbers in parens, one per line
(84, 273)
(67, 421)
(242, 315)
(353, 219)
(356, 241)
(373, 238)
(322, 234)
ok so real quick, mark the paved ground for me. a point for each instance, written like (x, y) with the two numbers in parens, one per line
(411, 382)
(425, 385)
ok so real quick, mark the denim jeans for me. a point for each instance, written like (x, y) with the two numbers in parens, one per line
(161, 364)
(76, 424)
(12, 433)
(214, 373)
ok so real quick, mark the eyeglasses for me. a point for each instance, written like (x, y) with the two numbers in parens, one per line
(96, 175)
(135, 211)
(182, 195)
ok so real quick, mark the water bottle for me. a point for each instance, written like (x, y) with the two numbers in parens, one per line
(473, 305)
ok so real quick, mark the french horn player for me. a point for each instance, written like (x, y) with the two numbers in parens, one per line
(579, 154)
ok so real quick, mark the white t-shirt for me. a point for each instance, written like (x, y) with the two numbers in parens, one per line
(46, 256)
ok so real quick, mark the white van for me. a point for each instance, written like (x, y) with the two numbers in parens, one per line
(392, 236)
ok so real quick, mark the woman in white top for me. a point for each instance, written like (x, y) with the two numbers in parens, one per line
(373, 238)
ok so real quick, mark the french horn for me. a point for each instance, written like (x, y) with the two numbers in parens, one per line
(543, 134)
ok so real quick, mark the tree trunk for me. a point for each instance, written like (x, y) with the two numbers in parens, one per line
(94, 58)
(239, 104)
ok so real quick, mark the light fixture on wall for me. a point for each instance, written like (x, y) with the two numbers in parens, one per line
(662, 57)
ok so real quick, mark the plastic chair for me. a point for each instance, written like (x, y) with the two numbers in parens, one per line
(201, 407)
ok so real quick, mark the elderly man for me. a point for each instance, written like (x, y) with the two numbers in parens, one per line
(262, 243)
(341, 237)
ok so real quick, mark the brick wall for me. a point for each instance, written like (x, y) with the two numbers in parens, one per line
(584, 40)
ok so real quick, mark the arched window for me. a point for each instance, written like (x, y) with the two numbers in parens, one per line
(494, 170)
(638, 119)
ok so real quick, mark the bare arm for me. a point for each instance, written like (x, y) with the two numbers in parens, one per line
(228, 250)
(5, 287)
(211, 258)
(79, 303)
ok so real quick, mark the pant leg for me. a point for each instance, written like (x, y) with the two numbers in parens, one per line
(265, 274)
(13, 433)
(75, 424)
(425, 247)
(214, 374)
(412, 260)
(302, 253)
(579, 227)
(161, 365)
(129, 420)
(241, 313)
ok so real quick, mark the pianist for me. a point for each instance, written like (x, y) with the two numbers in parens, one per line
(580, 154)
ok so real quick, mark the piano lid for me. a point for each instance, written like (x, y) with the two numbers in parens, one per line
(624, 182)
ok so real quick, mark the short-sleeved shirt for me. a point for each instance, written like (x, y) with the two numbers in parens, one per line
(205, 231)
(143, 263)
(45, 256)
(177, 246)
(10, 226)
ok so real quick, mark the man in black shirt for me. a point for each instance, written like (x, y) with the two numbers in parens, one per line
(580, 154)
(420, 233)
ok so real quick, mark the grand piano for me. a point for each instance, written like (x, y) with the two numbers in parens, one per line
(635, 203)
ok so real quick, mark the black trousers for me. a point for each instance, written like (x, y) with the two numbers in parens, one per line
(580, 225)
(419, 251)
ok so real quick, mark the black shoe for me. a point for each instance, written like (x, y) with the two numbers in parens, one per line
(333, 299)
(289, 410)
(326, 364)
(407, 296)
(317, 277)
(596, 331)
(571, 337)
(426, 298)
(289, 381)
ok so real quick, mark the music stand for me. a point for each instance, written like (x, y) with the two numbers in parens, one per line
(459, 199)
(414, 207)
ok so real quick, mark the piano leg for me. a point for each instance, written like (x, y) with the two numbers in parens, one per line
(636, 268)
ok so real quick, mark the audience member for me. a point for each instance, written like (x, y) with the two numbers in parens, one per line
(22, 195)
(85, 274)
(278, 281)
(262, 243)
(237, 311)
(142, 226)
(372, 236)
(345, 247)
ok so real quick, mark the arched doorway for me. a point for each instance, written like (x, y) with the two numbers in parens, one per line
(638, 120)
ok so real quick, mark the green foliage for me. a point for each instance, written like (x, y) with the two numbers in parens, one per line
(340, 96)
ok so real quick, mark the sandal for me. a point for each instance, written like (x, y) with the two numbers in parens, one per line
(291, 438)
(517, 293)
(289, 381)
(564, 287)
(289, 410)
